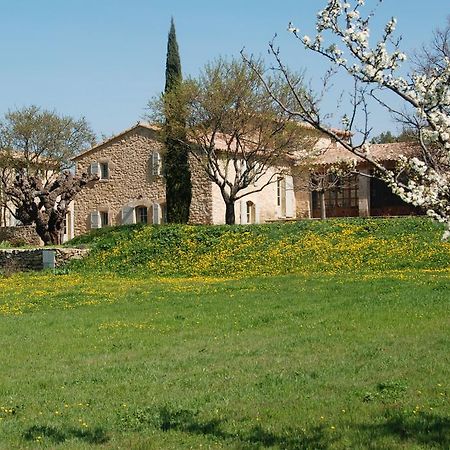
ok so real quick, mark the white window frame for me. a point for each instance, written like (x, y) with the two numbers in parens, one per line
(102, 175)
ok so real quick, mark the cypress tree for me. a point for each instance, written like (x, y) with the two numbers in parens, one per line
(176, 163)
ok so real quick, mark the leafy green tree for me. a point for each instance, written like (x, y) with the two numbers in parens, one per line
(386, 137)
(237, 134)
(176, 161)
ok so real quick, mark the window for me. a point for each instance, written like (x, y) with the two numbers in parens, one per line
(344, 195)
(141, 214)
(251, 212)
(104, 219)
(104, 171)
(99, 169)
(340, 193)
(281, 196)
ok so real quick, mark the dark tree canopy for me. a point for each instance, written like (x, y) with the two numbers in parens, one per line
(36, 185)
(176, 163)
(173, 63)
(387, 137)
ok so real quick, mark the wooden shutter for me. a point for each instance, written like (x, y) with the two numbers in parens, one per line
(243, 204)
(94, 168)
(156, 213)
(128, 215)
(257, 214)
(11, 221)
(290, 197)
(156, 164)
(95, 220)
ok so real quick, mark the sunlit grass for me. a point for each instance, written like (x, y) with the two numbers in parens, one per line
(333, 247)
(299, 361)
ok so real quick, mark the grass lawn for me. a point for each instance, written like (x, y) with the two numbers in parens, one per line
(291, 361)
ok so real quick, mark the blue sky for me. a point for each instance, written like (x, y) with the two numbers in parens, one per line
(103, 59)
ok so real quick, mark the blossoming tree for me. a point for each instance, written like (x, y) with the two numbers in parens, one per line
(343, 37)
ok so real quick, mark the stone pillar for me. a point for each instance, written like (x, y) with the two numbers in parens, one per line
(364, 194)
(48, 259)
(302, 194)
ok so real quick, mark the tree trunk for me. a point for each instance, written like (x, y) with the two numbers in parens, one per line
(43, 233)
(323, 210)
(229, 213)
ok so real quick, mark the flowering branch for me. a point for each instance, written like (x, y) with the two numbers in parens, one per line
(343, 37)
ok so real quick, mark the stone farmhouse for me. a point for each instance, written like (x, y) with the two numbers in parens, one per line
(131, 188)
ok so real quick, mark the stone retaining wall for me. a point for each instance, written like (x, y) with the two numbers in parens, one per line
(23, 235)
(13, 260)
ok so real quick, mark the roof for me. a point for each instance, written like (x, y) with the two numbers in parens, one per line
(144, 125)
(378, 152)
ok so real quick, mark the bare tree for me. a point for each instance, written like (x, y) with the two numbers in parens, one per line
(343, 35)
(36, 182)
(236, 131)
(436, 53)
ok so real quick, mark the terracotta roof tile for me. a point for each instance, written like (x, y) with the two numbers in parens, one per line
(378, 152)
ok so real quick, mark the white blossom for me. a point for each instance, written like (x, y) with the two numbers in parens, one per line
(426, 185)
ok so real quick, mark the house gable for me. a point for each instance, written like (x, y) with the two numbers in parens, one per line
(134, 189)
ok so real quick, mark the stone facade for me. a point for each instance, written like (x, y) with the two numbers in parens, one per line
(129, 182)
(201, 210)
(302, 195)
(131, 188)
(13, 260)
(18, 236)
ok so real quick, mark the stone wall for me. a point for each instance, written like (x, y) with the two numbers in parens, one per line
(201, 211)
(23, 235)
(302, 194)
(12, 260)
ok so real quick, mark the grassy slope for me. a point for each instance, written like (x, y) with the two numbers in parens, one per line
(333, 246)
(324, 360)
